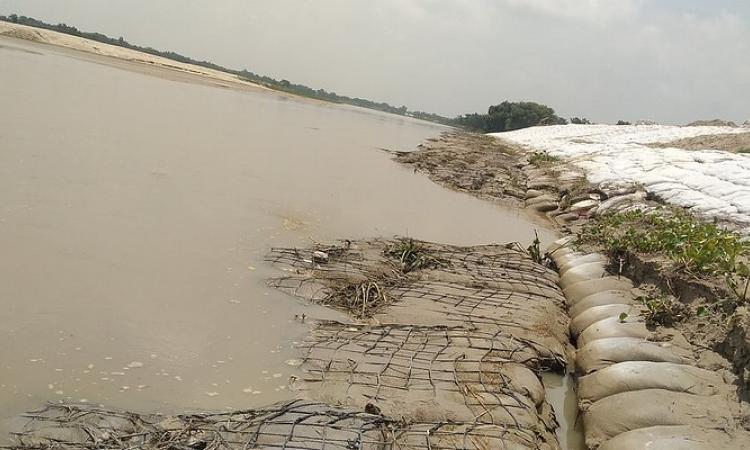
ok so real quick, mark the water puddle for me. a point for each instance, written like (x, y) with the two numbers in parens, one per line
(561, 395)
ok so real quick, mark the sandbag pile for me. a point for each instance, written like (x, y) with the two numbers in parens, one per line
(638, 389)
(563, 194)
(450, 334)
(710, 183)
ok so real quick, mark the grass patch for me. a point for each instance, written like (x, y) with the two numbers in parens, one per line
(696, 247)
(541, 159)
(412, 255)
(744, 150)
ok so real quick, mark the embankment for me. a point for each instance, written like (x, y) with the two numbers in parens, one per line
(446, 351)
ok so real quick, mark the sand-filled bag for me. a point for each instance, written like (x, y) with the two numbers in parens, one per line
(678, 437)
(637, 375)
(610, 297)
(632, 410)
(582, 289)
(605, 352)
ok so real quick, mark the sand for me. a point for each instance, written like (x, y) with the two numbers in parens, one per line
(120, 53)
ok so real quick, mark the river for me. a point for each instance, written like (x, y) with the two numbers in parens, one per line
(135, 210)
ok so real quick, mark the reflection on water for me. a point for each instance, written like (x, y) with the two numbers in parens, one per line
(561, 395)
(134, 214)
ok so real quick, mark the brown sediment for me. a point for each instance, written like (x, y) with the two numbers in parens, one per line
(472, 163)
(447, 353)
(730, 142)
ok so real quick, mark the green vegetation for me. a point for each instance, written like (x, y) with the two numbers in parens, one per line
(663, 310)
(744, 150)
(534, 250)
(411, 255)
(541, 159)
(580, 121)
(623, 122)
(510, 116)
(695, 247)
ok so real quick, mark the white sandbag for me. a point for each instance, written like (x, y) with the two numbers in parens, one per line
(612, 328)
(577, 291)
(566, 262)
(583, 272)
(604, 352)
(610, 297)
(678, 437)
(619, 201)
(632, 410)
(597, 313)
(545, 206)
(559, 244)
(541, 198)
(636, 375)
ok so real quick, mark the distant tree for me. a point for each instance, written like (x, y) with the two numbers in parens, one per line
(623, 122)
(510, 116)
(581, 121)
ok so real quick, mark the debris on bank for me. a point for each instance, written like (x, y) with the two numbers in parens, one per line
(298, 425)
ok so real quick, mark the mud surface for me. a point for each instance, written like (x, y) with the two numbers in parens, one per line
(476, 164)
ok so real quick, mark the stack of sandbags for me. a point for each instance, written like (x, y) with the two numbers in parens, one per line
(637, 391)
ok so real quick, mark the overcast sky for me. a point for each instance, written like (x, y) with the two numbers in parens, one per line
(668, 60)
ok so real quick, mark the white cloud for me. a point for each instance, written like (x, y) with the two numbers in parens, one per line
(592, 11)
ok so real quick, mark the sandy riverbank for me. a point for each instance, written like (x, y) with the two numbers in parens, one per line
(146, 61)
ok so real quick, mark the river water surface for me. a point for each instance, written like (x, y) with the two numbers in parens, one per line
(135, 210)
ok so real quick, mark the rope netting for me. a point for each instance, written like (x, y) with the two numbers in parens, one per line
(362, 277)
(435, 372)
(295, 425)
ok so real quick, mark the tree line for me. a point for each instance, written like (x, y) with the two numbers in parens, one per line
(505, 116)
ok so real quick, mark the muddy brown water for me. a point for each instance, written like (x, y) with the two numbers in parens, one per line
(135, 209)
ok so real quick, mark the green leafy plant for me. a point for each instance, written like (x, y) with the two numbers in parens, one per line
(693, 246)
(534, 250)
(663, 310)
(412, 255)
